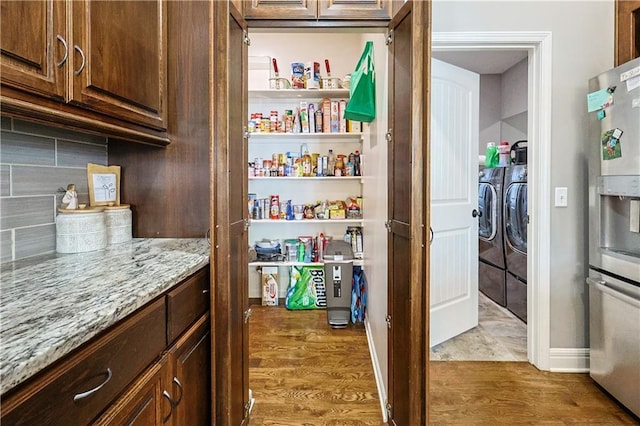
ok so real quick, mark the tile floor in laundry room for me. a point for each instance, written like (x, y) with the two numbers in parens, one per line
(499, 336)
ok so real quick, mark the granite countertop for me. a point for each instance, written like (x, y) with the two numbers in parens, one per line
(50, 305)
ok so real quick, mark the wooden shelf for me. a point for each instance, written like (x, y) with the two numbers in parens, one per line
(298, 93)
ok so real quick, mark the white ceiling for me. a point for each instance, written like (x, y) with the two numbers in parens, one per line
(482, 62)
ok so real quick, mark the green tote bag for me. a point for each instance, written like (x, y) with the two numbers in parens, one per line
(362, 102)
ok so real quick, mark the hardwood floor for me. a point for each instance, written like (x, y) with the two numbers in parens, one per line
(302, 372)
(490, 393)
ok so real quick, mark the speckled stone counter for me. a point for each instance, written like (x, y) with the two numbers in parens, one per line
(52, 304)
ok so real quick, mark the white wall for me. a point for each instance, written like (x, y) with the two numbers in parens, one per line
(582, 40)
(515, 102)
(514, 89)
(490, 110)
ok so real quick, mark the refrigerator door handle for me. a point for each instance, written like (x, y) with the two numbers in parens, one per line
(602, 286)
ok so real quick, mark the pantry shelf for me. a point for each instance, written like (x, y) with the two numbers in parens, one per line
(299, 93)
(356, 262)
(305, 221)
(279, 178)
(319, 136)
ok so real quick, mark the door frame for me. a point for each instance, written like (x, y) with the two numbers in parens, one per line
(539, 48)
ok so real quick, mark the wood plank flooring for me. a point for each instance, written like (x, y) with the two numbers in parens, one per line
(302, 372)
(491, 393)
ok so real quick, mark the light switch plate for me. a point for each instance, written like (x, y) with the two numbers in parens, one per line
(561, 196)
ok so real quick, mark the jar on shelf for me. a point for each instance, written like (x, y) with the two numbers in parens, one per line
(340, 166)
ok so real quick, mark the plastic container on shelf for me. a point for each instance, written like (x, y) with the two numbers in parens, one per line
(504, 153)
(491, 157)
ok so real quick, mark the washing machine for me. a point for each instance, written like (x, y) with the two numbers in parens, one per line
(492, 265)
(516, 220)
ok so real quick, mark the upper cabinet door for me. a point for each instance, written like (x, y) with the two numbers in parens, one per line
(119, 60)
(627, 30)
(280, 9)
(317, 9)
(33, 46)
(353, 9)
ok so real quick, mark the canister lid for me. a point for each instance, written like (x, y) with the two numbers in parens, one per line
(95, 209)
(119, 207)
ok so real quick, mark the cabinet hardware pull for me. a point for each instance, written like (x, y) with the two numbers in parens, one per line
(205, 291)
(171, 403)
(430, 235)
(177, 382)
(77, 49)
(94, 390)
(66, 51)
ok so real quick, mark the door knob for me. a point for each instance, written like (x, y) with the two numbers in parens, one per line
(476, 213)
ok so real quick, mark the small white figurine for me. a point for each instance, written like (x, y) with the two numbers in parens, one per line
(70, 199)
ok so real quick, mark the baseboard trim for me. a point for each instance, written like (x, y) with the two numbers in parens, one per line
(382, 393)
(569, 360)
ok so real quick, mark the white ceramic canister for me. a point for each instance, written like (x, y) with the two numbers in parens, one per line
(118, 221)
(79, 231)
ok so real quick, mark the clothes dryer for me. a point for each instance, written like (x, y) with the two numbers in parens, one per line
(516, 219)
(492, 265)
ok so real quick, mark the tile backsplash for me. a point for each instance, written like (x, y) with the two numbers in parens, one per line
(35, 161)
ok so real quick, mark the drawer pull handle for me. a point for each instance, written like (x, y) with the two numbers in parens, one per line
(205, 291)
(166, 395)
(77, 49)
(94, 390)
(66, 51)
(177, 382)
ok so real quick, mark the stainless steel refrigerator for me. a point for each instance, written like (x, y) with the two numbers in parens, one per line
(614, 232)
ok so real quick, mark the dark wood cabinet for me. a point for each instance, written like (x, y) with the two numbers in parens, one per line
(189, 381)
(354, 9)
(627, 31)
(119, 59)
(280, 9)
(97, 66)
(144, 403)
(175, 391)
(34, 58)
(317, 9)
(129, 374)
(83, 384)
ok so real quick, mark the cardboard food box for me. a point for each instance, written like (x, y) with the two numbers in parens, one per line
(326, 115)
(337, 209)
(269, 286)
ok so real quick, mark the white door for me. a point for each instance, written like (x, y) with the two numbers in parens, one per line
(454, 196)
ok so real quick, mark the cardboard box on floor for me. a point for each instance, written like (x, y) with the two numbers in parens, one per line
(269, 281)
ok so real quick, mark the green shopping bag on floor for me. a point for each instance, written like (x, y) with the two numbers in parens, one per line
(362, 102)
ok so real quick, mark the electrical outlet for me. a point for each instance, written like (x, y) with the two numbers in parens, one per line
(561, 197)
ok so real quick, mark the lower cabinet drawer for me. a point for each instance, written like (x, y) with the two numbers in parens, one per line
(186, 303)
(83, 385)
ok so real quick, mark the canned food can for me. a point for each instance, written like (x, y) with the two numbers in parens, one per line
(274, 207)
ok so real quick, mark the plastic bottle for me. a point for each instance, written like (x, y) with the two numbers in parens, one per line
(504, 154)
(331, 163)
(357, 170)
(491, 157)
(307, 161)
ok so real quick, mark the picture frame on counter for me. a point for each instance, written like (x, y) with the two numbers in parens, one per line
(104, 185)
